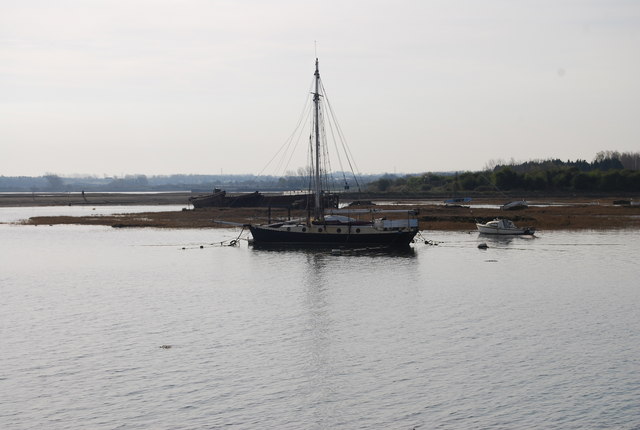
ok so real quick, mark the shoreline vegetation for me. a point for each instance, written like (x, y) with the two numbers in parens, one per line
(544, 213)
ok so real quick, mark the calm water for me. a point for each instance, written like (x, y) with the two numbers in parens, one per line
(530, 333)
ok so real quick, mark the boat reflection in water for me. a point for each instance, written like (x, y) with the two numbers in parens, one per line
(363, 251)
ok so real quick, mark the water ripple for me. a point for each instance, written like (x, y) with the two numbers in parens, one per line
(547, 336)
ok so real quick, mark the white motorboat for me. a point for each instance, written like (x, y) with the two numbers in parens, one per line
(515, 205)
(503, 227)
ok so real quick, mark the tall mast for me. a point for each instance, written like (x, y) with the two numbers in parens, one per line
(317, 210)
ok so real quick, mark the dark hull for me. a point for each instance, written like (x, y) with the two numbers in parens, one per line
(211, 200)
(256, 199)
(278, 238)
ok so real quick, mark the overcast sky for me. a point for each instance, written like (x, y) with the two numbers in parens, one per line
(206, 86)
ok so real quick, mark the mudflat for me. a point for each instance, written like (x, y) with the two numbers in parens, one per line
(552, 214)
(92, 199)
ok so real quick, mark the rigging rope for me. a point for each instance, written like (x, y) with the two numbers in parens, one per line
(284, 156)
(343, 140)
(285, 147)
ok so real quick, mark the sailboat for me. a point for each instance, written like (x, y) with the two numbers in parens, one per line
(334, 227)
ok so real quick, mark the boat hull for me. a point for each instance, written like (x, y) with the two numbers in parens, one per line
(501, 231)
(501, 226)
(349, 237)
(257, 199)
(515, 206)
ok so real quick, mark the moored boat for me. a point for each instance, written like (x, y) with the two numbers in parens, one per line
(515, 205)
(503, 227)
(217, 198)
(335, 228)
(220, 198)
(340, 230)
(458, 200)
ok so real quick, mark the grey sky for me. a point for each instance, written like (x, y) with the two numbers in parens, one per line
(196, 86)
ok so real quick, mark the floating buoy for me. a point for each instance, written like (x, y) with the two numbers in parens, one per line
(483, 245)
(201, 246)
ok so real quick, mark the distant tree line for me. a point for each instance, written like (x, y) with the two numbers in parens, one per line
(610, 171)
(51, 182)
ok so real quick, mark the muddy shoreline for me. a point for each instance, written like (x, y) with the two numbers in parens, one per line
(543, 214)
(93, 199)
